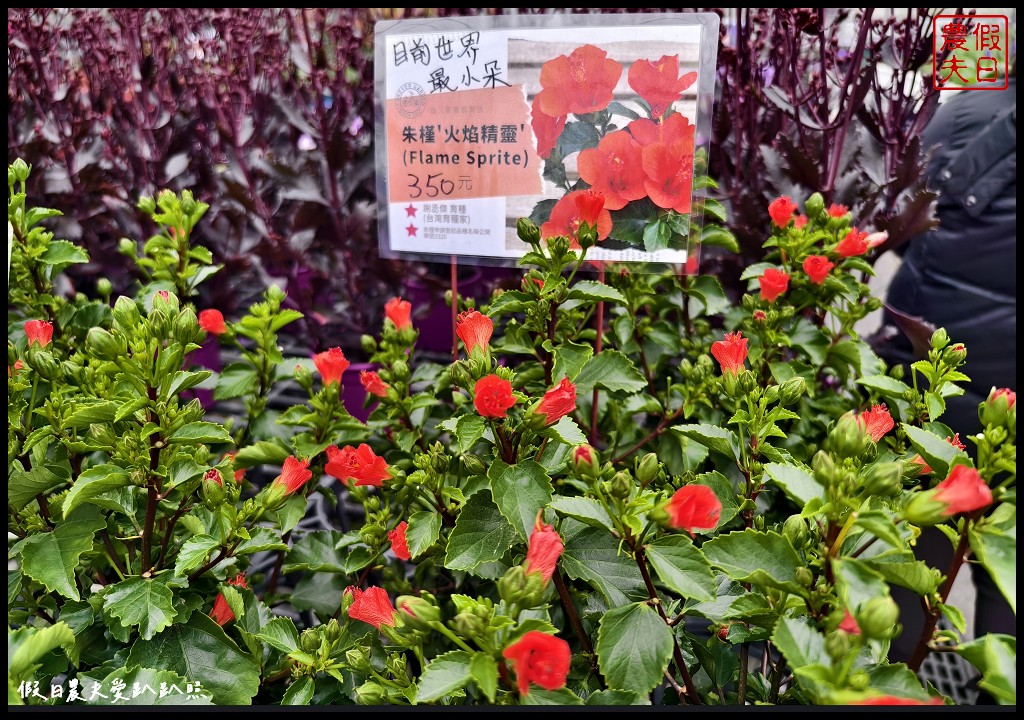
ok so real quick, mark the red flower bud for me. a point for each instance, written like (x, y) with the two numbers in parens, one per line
(800, 222)
(372, 606)
(557, 402)
(963, 491)
(331, 365)
(221, 612)
(837, 211)
(781, 210)
(590, 203)
(373, 384)
(399, 312)
(694, 507)
(474, 329)
(399, 545)
(545, 549)
(39, 331)
(774, 282)
(855, 243)
(213, 476)
(541, 659)
(294, 474)
(492, 396)
(817, 268)
(212, 321)
(877, 421)
(849, 624)
(730, 352)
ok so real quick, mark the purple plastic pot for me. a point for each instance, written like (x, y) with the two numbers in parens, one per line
(353, 392)
(431, 315)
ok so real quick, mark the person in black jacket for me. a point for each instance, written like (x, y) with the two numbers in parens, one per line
(963, 277)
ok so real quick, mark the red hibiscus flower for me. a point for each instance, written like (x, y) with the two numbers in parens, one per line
(877, 421)
(891, 700)
(659, 83)
(399, 312)
(674, 128)
(474, 329)
(730, 352)
(963, 491)
(566, 218)
(774, 282)
(492, 396)
(926, 469)
(694, 507)
(212, 321)
(849, 623)
(294, 474)
(373, 384)
(541, 659)
(669, 170)
(800, 222)
(545, 549)
(817, 268)
(221, 612)
(557, 402)
(399, 545)
(372, 606)
(582, 82)
(838, 211)
(615, 169)
(360, 464)
(546, 128)
(39, 331)
(781, 210)
(853, 244)
(331, 365)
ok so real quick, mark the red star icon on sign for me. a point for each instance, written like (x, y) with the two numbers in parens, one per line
(411, 229)
(410, 211)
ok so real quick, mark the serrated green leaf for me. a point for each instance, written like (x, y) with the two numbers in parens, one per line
(881, 526)
(586, 510)
(481, 534)
(996, 657)
(143, 603)
(484, 670)
(199, 650)
(799, 642)
(51, 558)
(886, 386)
(469, 429)
(938, 453)
(596, 291)
(236, 380)
(200, 432)
(906, 572)
(316, 552)
(284, 317)
(423, 531)
(711, 436)
(857, 583)
(997, 552)
(260, 540)
(443, 676)
(98, 412)
(186, 380)
(682, 567)
(708, 290)
(763, 558)
(612, 371)
(719, 236)
(567, 431)
(62, 253)
(520, 492)
(280, 633)
(592, 555)
(634, 646)
(570, 359)
(797, 483)
(540, 696)
(299, 692)
(92, 483)
(194, 553)
(28, 645)
(263, 451)
(23, 486)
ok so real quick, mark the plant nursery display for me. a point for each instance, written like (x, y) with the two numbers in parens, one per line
(635, 491)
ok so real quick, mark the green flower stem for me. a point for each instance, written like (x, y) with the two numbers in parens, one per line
(441, 628)
(833, 551)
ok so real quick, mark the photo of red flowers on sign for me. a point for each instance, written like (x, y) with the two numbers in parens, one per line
(617, 123)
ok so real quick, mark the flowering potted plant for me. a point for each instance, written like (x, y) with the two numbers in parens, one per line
(707, 504)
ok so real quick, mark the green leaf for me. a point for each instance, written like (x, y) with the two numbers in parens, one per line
(316, 552)
(51, 558)
(657, 235)
(481, 534)
(284, 317)
(280, 633)
(540, 696)
(592, 555)
(634, 646)
(881, 526)
(28, 645)
(887, 387)
(711, 436)
(857, 583)
(149, 682)
(200, 432)
(199, 650)
(896, 680)
(422, 533)
(799, 642)
(997, 552)
(723, 491)
(236, 380)
(567, 431)
(260, 540)
(617, 697)
(682, 567)
(708, 290)
(262, 452)
(193, 553)
(798, 484)
(446, 674)
(469, 429)
(142, 603)
(570, 359)
(23, 486)
(763, 558)
(938, 453)
(97, 412)
(596, 291)
(186, 380)
(909, 573)
(319, 592)
(719, 236)
(520, 491)
(299, 692)
(484, 670)
(63, 253)
(996, 657)
(612, 371)
(92, 483)
(586, 510)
